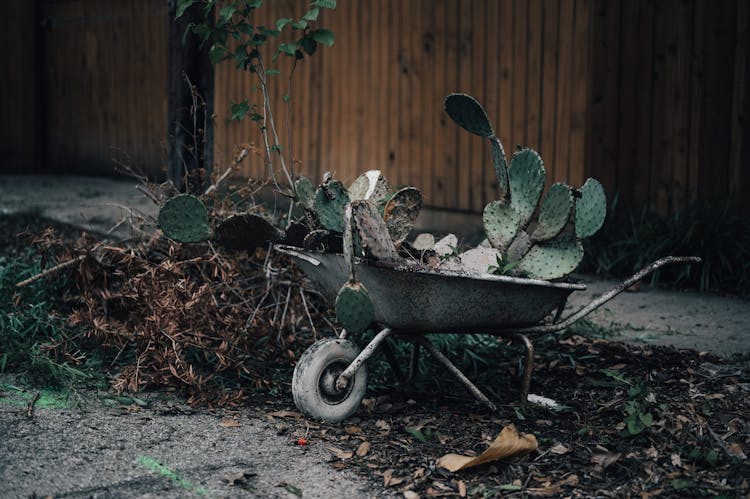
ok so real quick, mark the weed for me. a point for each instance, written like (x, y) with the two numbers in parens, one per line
(715, 232)
(35, 341)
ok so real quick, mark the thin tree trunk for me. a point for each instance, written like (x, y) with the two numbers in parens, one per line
(190, 131)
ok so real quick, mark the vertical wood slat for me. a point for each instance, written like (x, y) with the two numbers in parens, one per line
(666, 143)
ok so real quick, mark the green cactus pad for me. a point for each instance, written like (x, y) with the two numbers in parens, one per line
(371, 186)
(501, 224)
(354, 308)
(184, 218)
(526, 181)
(374, 238)
(518, 248)
(466, 111)
(401, 212)
(501, 166)
(554, 212)
(305, 193)
(552, 259)
(591, 209)
(246, 231)
(330, 199)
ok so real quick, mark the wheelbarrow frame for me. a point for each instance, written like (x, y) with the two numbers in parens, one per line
(533, 307)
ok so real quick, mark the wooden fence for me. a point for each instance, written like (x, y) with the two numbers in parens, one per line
(648, 96)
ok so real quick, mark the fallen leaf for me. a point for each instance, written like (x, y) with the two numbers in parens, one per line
(339, 453)
(553, 489)
(461, 488)
(605, 460)
(353, 430)
(676, 461)
(285, 414)
(559, 449)
(410, 494)
(508, 443)
(652, 452)
(382, 425)
(735, 450)
(363, 449)
(230, 423)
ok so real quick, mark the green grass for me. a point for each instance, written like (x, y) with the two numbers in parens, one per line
(36, 343)
(717, 233)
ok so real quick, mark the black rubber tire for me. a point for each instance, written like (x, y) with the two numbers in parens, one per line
(315, 374)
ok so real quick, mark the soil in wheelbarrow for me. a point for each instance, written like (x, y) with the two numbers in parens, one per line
(631, 421)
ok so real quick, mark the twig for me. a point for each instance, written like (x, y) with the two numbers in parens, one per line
(307, 312)
(212, 187)
(147, 193)
(30, 408)
(51, 270)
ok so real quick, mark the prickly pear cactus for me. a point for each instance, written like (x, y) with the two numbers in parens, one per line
(554, 212)
(501, 166)
(353, 307)
(552, 259)
(466, 111)
(518, 248)
(591, 209)
(373, 235)
(246, 231)
(330, 199)
(501, 222)
(371, 186)
(184, 218)
(305, 193)
(526, 180)
(469, 114)
(401, 212)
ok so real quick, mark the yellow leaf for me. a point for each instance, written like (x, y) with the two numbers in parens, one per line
(508, 443)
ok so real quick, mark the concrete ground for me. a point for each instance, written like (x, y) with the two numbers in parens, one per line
(166, 450)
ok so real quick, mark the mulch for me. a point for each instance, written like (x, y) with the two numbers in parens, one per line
(695, 443)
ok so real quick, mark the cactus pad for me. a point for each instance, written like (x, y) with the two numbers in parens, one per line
(501, 166)
(184, 218)
(330, 199)
(468, 114)
(501, 223)
(371, 185)
(526, 181)
(554, 212)
(401, 212)
(373, 234)
(246, 231)
(591, 209)
(353, 307)
(518, 248)
(305, 193)
(552, 259)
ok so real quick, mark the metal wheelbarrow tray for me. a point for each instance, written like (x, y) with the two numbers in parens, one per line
(330, 378)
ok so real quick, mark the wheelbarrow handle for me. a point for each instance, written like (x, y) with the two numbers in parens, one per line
(593, 305)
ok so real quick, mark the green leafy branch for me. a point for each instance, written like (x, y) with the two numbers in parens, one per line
(229, 29)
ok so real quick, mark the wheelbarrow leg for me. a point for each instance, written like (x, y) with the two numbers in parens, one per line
(365, 354)
(455, 372)
(528, 365)
(413, 363)
(390, 356)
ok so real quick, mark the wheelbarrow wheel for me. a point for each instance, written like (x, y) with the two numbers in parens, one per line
(314, 381)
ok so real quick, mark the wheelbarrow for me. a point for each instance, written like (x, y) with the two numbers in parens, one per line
(330, 379)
